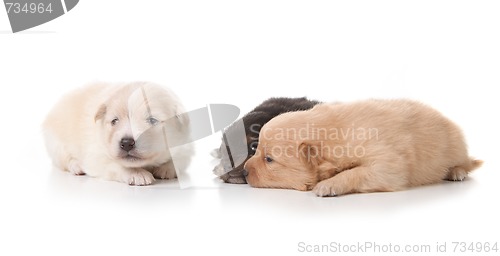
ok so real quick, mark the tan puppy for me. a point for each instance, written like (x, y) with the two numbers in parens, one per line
(366, 146)
(117, 132)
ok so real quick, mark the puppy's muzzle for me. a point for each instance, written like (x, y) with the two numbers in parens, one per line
(127, 144)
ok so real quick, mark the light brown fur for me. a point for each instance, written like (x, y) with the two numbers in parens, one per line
(365, 146)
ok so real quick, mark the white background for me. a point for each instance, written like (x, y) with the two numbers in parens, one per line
(444, 53)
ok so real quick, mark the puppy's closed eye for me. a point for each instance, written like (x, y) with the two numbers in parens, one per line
(114, 121)
(268, 159)
(152, 121)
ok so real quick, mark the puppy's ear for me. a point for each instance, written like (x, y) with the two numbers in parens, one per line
(310, 155)
(100, 113)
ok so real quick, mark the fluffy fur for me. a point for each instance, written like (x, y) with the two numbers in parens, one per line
(365, 146)
(117, 132)
(253, 122)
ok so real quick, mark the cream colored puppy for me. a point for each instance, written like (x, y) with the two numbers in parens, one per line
(118, 132)
(365, 146)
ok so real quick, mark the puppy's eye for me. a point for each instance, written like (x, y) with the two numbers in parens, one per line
(153, 121)
(114, 121)
(268, 159)
(253, 146)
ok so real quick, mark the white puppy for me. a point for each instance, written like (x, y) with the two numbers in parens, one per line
(119, 132)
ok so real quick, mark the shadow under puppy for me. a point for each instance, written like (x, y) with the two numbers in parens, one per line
(118, 132)
(245, 138)
(365, 146)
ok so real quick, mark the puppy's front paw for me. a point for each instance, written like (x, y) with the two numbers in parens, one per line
(75, 168)
(236, 180)
(234, 177)
(165, 171)
(139, 177)
(324, 188)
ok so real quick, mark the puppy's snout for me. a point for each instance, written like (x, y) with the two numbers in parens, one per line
(127, 144)
(246, 167)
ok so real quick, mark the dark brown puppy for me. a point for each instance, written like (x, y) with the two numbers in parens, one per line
(245, 138)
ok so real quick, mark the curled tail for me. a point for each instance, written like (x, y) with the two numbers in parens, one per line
(460, 172)
(474, 164)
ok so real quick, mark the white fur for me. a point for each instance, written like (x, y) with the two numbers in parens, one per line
(80, 138)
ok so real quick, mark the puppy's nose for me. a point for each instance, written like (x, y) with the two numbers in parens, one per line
(127, 144)
(245, 172)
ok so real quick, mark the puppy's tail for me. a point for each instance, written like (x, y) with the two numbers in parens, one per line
(460, 172)
(474, 164)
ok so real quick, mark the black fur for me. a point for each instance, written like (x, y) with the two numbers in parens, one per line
(253, 122)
